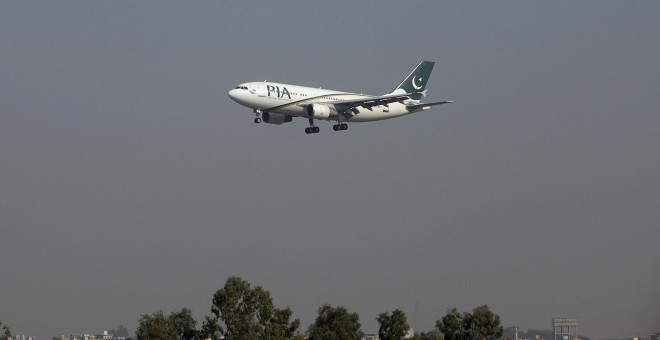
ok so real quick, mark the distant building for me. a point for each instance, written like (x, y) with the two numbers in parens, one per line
(104, 336)
(23, 337)
(83, 337)
(409, 335)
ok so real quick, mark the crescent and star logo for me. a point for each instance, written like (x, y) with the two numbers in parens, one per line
(415, 85)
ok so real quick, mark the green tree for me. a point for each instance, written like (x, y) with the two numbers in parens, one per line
(248, 313)
(335, 324)
(451, 325)
(183, 324)
(6, 333)
(176, 326)
(155, 326)
(280, 325)
(392, 327)
(483, 324)
(211, 329)
(243, 309)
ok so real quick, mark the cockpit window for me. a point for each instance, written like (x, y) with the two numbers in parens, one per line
(241, 87)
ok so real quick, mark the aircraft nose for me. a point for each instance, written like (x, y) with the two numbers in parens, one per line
(232, 93)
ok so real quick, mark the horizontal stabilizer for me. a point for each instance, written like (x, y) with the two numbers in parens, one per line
(426, 106)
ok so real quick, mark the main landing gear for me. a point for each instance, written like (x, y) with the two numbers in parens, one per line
(315, 129)
(336, 127)
(340, 127)
(312, 128)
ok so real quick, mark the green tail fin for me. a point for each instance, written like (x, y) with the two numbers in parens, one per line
(416, 80)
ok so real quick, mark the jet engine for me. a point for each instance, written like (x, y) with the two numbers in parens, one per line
(320, 111)
(275, 118)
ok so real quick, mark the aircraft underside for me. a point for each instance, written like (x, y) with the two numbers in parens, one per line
(342, 119)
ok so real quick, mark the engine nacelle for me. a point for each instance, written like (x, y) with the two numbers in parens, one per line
(320, 111)
(275, 118)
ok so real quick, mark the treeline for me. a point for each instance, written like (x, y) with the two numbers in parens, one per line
(243, 312)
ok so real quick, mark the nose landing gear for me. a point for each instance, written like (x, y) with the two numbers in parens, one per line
(258, 114)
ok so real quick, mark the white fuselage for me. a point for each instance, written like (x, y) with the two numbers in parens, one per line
(292, 100)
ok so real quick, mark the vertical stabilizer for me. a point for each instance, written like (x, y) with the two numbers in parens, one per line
(415, 82)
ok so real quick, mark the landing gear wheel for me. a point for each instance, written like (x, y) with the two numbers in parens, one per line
(340, 127)
(257, 113)
(312, 128)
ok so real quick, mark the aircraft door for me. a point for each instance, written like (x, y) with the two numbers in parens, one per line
(261, 89)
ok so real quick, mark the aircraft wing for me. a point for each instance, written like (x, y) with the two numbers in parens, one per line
(345, 107)
(369, 102)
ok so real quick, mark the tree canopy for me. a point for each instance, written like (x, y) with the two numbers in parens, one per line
(211, 329)
(280, 325)
(335, 323)
(451, 325)
(243, 312)
(176, 326)
(248, 313)
(481, 324)
(392, 327)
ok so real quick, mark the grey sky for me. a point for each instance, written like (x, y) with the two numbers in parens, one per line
(130, 182)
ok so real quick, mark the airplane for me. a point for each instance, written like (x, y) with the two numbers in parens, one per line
(277, 103)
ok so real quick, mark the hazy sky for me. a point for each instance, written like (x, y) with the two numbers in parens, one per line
(130, 182)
